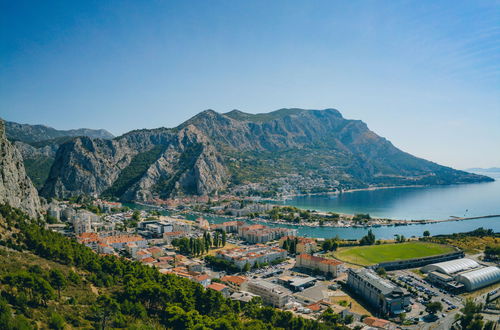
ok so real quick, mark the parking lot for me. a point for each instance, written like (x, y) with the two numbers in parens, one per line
(423, 293)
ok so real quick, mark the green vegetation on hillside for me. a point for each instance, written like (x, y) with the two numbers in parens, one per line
(374, 254)
(38, 169)
(471, 242)
(134, 171)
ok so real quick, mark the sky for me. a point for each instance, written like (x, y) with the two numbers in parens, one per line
(423, 74)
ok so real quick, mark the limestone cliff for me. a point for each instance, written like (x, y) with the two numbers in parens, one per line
(16, 188)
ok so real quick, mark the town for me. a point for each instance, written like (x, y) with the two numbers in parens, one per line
(244, 261)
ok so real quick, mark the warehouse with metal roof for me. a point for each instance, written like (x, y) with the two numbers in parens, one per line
(479, 278)
(451, 267)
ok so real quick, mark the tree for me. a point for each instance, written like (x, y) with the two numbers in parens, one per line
(56, 321)
(136, 215)
(427, 233)
(471, 317)
(105, 308)
(381, 271)
(223, 238)
(433, 307)
(247, 267)
(57, 280)
(369, 239)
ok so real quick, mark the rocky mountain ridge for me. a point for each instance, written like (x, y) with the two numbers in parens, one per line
(264, 154)
(38, 145)
(16, 188)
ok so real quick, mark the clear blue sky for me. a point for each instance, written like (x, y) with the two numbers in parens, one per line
(424, 74)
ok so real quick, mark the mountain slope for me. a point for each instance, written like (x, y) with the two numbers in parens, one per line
(284, 151)
(38, 145)
(16, 188)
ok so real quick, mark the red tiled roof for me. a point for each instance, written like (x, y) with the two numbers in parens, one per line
(320, 260)
(217, 286)
(239, 280)
(375, 322)
(202, 277)
(148, 260)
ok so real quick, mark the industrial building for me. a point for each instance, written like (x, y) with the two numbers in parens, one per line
(384, 296)
(462, 273)
(479, 278)
(452, 266)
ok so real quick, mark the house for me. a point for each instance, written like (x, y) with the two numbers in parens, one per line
(378, 323)
(236, 283)
(203, 279)
(155, 251)
(142, 254)
(220, 288)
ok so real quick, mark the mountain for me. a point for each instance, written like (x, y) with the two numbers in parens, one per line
(288, 150)
(16, 188)
(484, 170)
(38, 133)
(38, 145)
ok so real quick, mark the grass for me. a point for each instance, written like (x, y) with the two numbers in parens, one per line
(374, 254)
(471, 244)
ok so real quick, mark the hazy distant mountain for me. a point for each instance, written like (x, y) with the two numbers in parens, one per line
(283, 151)
(484, 170)
(38, 145)
(38, 133)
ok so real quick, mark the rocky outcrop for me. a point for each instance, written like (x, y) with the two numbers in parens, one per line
(16, 188)
(213, 152)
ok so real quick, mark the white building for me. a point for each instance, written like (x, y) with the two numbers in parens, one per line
(272, 294)
(479, 278)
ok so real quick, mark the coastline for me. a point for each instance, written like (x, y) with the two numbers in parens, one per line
(337, 192)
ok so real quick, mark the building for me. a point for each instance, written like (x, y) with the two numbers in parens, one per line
(479, 278)
(272, 294)
(451, 267)
(202, 279)
(106, 206)
(90, 240)
(220, 288)
(119, 241)
(324, 265)
(303, 244)
(419, 262)
(262, 234)
(170, 236)
(376, 323)
(202, 223)
(236, 283)
(243, 296)
(381, 294)
(230, 226)
(252, 255)
(444, 280)
(297, 283)
(54, 211)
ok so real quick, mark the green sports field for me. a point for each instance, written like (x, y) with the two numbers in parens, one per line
(374, 254)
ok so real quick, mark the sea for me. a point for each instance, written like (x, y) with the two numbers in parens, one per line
(411, 203)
